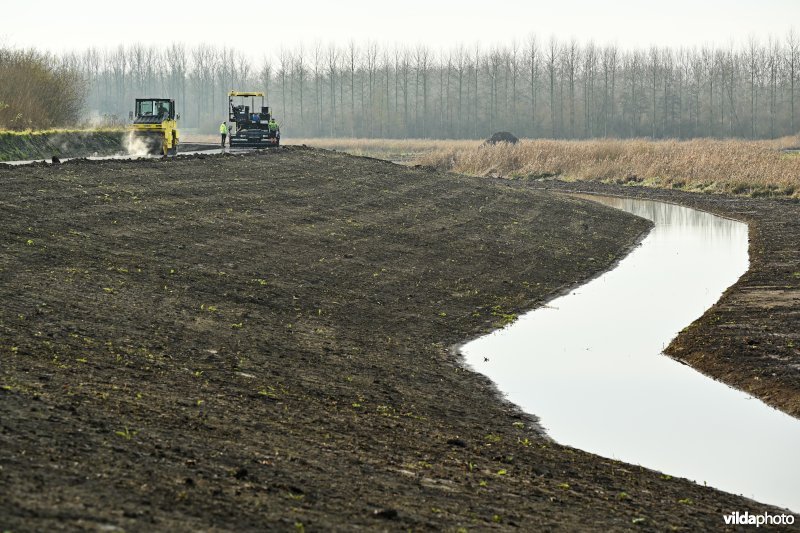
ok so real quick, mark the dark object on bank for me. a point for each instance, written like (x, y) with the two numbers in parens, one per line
(55, 160)
(502, 137)
(388, 514)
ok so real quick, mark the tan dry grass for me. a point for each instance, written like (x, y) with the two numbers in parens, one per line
(406, 150)
(741, 167)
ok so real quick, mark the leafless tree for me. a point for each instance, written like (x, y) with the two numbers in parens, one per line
(332, 63)
(551, 64)
(609, 63)
(533, 61)
(299, 71)
(792, 60)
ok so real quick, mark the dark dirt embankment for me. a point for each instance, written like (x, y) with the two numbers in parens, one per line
(23, 146)
(263, 342)
(751, 338)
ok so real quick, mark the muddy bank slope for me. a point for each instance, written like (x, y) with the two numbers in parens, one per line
(16, 146)
(262, 342)
(751, 338)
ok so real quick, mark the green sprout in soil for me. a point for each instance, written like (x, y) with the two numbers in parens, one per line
(126, 433)
(268, 393)
(505, 318)
(384, 410)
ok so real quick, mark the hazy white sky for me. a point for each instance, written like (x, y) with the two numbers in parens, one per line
(262, 27)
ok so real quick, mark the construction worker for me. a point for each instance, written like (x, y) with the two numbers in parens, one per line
(223, 131)
(273, 127)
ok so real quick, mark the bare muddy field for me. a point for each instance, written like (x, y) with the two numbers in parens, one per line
(263, 341)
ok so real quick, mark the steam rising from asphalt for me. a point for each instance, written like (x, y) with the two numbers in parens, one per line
(135, 146)
(65, 143)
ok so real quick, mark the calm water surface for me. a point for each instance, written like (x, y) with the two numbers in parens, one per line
(589, 364)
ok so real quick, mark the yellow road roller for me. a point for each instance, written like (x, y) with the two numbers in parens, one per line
(155, 126)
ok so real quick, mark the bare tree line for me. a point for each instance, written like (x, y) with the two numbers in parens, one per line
(535, 88)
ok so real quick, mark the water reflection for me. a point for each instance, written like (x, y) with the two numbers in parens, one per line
(590, 364)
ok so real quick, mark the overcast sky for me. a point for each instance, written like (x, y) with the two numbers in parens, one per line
(260, 27)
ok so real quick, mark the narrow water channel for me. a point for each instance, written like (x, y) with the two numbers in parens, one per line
(589, 364)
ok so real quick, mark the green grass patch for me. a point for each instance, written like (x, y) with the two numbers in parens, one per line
(44, 144)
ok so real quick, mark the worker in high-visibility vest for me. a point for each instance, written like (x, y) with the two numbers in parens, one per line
(223, 131)
(274, 129)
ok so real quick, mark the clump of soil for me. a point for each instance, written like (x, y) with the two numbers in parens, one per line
(502, 137)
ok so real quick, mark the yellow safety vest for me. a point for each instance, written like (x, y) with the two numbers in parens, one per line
(223, 128)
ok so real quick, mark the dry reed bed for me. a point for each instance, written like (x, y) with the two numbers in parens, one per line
(396, 149)
(741, 167)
